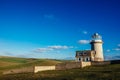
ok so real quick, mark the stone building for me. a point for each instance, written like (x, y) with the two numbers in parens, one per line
(87, 55)
(96, 52)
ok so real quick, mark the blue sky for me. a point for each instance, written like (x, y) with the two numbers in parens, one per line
(57, 28)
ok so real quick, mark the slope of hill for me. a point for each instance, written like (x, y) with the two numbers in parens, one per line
(7, 63)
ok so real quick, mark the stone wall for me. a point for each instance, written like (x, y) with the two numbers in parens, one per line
(69, 65)
(35, 69)
(84, 64)
(60, 66)
(43, 68)
(94, 63)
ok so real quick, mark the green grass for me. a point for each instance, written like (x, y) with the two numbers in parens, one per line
(107, 72)
(14, 60)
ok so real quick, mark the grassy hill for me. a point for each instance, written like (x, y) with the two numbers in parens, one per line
(106, 72)
(7, 63)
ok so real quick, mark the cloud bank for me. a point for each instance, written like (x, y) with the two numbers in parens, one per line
(52, 48)
(59, 47)
(117, 49)
(116, 57)
(84, 41)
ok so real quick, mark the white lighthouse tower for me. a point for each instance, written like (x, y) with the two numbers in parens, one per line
(96, 45)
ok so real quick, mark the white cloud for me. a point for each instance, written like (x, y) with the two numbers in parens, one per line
(118, 45)
(108, 50)
(117, 49)
(84, 32)
(84, 41)
(42, 50)
(51, 48)
(58, 47)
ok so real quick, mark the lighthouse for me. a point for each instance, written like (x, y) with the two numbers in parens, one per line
(96, 45)
(96, 52)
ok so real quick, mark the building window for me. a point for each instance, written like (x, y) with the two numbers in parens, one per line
(79, 59)
(87, 59)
